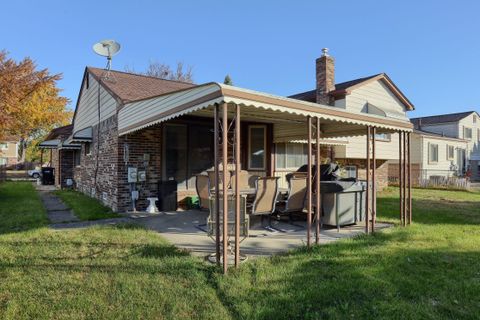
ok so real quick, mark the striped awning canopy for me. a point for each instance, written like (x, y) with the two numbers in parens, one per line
(288, 115)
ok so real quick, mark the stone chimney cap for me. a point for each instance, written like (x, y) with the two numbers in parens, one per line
(325, 52)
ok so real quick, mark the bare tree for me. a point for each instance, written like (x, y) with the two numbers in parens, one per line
(164, 71)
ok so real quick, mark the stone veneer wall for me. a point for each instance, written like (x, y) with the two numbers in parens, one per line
(105, 187)
(145, 141)
(55, 163)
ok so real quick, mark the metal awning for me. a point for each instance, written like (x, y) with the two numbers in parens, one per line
(70, 146)
(50, 144)
(83, 135)
(256, 106)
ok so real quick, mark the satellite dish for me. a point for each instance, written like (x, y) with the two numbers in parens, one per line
(107, 48)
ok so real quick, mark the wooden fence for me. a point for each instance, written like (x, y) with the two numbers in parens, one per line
(3, 173)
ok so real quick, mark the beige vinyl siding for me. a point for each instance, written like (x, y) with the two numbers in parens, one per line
(136, 112)
(357, 148)
(473, 150)
(443, 163)
(379, 95)
(11, 150)
(87, 111)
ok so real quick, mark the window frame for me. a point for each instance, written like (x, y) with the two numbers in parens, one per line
(285, 155)
(465, 131)
(249, 160)
(387, 139)
(448, 152)
(430, 145)
(89, 152)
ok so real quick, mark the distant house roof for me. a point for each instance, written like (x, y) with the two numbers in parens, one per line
(129, 87)
(436, 135)
(60, 133)
(441, 118)
(346, 87)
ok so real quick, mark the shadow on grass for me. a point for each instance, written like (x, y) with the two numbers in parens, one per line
(354, 280)
(433, 212)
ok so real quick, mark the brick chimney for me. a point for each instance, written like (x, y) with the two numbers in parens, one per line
(325, 70)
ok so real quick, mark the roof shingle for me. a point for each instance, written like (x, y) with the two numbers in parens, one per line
(129, 87)
(441, 118)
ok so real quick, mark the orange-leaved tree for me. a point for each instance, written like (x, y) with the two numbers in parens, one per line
(30, 101)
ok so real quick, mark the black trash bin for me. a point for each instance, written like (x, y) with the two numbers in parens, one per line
(167, 195)
(48, 176)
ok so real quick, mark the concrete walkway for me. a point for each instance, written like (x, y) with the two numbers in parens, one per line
(57, 211)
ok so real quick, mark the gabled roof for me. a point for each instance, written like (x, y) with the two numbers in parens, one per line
(442, 118)
(60, 133)
(129, 87)
(346, 87)
(437, 135)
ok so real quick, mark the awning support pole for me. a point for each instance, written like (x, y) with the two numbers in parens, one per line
(400, 174)
(216, 185)
(374, 181)
(409, 181)
(367, 174)
(237, 185)
(224, 184)
(318, 206)
(309, 181)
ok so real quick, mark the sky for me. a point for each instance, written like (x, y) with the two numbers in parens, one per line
(430, 49)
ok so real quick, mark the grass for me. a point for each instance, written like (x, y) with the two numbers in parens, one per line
(20, 207)
(430, 270)
(84, 207)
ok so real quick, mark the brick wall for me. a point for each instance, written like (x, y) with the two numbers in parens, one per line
(55, 163)
(146, 141)
(104, 187)
(381, 171)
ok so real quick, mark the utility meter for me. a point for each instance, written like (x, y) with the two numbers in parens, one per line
(132, 174)
(142, 176)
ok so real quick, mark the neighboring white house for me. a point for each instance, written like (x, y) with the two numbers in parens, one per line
(375, 95)
(465, 127)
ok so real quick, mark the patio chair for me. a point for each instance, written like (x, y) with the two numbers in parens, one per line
(211, 175)
(266, 195)
(247, 181)
(295, 202)
(244, 223)
(202, 184)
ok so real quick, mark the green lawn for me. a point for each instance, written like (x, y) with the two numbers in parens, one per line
(430, 270)
(84, 207)
(20, 207)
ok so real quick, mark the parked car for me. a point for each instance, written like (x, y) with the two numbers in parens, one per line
(35, 173)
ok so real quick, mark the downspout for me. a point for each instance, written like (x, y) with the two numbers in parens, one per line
(98, 137)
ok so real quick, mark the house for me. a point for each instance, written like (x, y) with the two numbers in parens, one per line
(376, 95)
(138, 133)
(433, 155)
(460, 126)
(62, 154)
(9, 151)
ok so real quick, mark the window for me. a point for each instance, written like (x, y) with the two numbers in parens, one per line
(382, 136)
(290, 155)
(3, 146)
(76, 157)
(88, 150)
(3, 161)
(450, 152)
(257, 147)
(350, 171)
(467, 133)
(433, 153)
